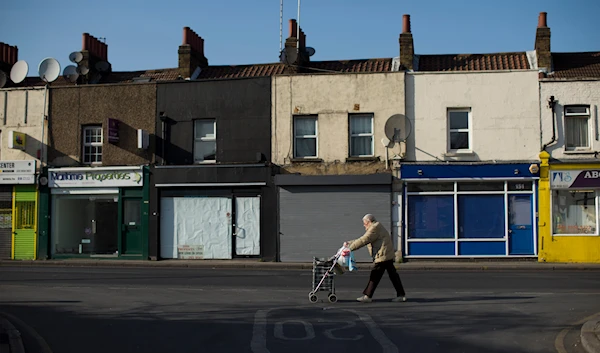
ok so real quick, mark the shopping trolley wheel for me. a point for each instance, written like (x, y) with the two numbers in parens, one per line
(312, 297)
(332, 298)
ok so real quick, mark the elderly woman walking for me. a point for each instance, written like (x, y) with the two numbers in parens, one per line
(378, 241)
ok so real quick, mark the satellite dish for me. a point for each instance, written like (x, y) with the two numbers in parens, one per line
(49, 69)
(3, 79)
(19, 71)
(83, 70)
(310, 51)
(398, 128)
(70, 73)
(288, 56)
(76, 57)
(102, 66)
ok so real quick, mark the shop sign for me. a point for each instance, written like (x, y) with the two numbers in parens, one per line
(94, 178)
(190, 252)
(17, 172)
(16, 140)
(575, 179)
(113, 130)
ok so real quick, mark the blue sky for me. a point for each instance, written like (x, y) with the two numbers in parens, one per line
(146, 34)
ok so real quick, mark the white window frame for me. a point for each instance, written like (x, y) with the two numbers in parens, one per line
(92, 144)
(578, 116)
(205, 139)
(566, 234)
(372, 116)
(315, 136)
(468, 130)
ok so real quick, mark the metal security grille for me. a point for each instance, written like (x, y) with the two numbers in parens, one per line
(5, 222)
(25, 215)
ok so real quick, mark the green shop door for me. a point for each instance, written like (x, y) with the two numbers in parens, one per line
(131, 228)
(24, 222)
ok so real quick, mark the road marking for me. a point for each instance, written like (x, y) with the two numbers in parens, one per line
(308, 329)
(258, 344)
(349, 324)
(559, 342)
(42, 344)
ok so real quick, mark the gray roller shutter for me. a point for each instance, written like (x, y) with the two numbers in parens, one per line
(5, 222)
(315, 220)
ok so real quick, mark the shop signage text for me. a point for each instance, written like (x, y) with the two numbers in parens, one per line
(190, 252)
(113, 130)
(92, 178)
(575, 179)
(17, 172)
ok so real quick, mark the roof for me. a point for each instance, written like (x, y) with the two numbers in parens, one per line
(576, 65)
(474, 62)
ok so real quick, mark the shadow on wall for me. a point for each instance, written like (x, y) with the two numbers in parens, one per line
(128, 142)
(167, 152)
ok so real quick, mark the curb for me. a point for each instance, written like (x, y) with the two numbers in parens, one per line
(15, 343)
(590, 336)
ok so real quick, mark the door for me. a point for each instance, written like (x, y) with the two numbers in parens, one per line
(520, 225)
(247, 226)
(25, 222)
(105, 227)
(131, 229)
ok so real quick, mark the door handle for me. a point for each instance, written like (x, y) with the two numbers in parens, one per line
(509, 231)
(522, 227)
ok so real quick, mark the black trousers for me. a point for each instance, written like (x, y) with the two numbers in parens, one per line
(377, 273)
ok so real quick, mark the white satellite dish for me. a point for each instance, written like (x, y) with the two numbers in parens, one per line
(102, 66)
(83, 70)
(76, 57)
(3, 79)
(49, 69)
(70, 73)
(19, 71)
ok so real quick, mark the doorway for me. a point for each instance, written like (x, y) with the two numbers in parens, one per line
(520, 225)
(131, 227)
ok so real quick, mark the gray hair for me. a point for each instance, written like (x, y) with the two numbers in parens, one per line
(369, 217)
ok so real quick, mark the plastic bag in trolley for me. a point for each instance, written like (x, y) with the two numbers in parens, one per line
(346, 258)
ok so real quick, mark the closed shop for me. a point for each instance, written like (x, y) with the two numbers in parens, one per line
(318, 213)
(6, 211)
(469, 210)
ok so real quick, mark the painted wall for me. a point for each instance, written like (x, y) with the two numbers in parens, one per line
(332, 97)
(504, 108)
(561, 248)
(567, 93)
(134, 105)
(22, 110)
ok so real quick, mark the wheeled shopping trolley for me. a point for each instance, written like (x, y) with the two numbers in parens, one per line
(322, 278)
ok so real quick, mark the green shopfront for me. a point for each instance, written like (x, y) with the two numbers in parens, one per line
(98, 212)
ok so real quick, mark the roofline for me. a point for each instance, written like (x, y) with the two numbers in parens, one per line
(453, 72)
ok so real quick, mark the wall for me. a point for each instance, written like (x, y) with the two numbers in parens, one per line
(333, 97)
(561, 248)
(567, 92)
(24, 112)
(134, 105)
(504, 108)
(241, 108)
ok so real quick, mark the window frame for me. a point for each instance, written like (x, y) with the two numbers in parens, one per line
(204, 139)
(468, 130)
(553, 199)
(587, 115)
(372, 134)
(315, 136)
(85, 144)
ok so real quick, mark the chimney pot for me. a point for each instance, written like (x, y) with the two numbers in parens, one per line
(2, 54)
(15, 54)
(542, 20)
(186, 31)
(293, 28)
(405, 23)
(201, 46)
(85, 42)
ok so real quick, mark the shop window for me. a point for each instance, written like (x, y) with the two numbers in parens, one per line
(459, 130)
(430, 187)
(85, 224)
(577, 131)
(481, 186)
(431, 217)
(361, 135)
(305, 137)
(574, 212)
(92, 145)
(205, 141)
(481, 216)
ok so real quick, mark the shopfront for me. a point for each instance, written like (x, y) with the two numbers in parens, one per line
(570, 213)
(18, 210)
(99, 212)
(469, 210)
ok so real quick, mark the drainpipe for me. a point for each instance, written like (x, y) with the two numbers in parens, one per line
(551, 105)
(43, 125)
(163, 119)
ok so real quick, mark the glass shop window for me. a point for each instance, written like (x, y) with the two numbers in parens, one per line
(574, 212)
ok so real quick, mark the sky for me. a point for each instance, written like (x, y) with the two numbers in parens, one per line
(145, 35)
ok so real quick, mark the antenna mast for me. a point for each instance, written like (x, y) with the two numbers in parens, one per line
(280, 26)
(298, 31)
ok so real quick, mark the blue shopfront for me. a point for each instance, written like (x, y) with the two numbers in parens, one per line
(469, 210)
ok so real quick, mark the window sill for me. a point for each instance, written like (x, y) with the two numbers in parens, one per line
(307, 160)
(580, 152)
(459, 154)
(363, 159)
(574, 235)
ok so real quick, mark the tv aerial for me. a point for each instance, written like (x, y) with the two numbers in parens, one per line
(19, 71)
(397, 130)
(70, 73)
(3, 79)
(49, 69)
(76, 57)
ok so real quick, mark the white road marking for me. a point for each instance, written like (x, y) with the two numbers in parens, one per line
(308, 329)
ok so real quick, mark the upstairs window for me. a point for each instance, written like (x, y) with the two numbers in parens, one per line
(92, 145)
(459, 130)
(361, 135)
(205, 141)
(577, 130)
(305, 137)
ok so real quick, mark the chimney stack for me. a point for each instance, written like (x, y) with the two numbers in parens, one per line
(191, 53)
(93, 51)
(542, 43)
(295, 58)
(8, 57)
(407, 48)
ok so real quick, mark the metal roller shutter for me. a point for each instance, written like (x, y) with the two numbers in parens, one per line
(315, 220)
(5, 222)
